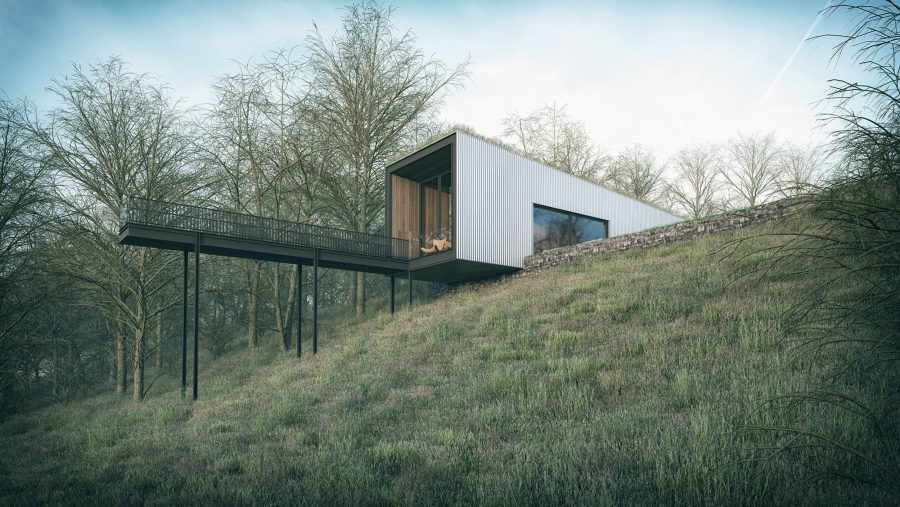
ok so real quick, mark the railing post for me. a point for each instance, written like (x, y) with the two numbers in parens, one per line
(184, 305)
(196, 310)
(315, 301)
(393, 278)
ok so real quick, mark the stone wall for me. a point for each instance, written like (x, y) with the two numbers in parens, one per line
(654, 237)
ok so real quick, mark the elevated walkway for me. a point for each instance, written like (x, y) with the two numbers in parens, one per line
(171, 226)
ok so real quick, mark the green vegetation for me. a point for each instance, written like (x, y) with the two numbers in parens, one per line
(629, 378)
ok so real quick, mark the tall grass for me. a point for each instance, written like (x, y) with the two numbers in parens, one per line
(621, 379)
(842, 426)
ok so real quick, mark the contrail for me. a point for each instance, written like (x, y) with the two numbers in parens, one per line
(790, 60)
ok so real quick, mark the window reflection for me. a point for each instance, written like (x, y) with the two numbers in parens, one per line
(555, 228)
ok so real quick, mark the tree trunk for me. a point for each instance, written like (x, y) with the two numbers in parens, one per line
(285, 342)
(291, 306)
(252, 300)
(121, 367)
(138, 366)
(111, 374)
(73, 379)
(360, 282)
(110, 361)
(284, 314)
(56, 367)
(138, 360)
(351, 289)
(360, 294)
(159, 338)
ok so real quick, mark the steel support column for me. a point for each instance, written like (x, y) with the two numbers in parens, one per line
(392, 294)
(315, 302)
(409, 288)
(299, 308)
(196, 310)
(184, 305)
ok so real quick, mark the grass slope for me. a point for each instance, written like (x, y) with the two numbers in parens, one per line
(616, 379)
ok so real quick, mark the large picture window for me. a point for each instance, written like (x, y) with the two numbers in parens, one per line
(555, 228)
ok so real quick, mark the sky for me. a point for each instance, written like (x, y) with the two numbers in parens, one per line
(663, 74)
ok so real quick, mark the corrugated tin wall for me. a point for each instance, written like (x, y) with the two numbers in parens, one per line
(495, 191)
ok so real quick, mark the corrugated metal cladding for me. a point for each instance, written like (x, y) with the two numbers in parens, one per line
(496, 190)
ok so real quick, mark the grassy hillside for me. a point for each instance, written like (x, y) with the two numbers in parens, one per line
(618, 379)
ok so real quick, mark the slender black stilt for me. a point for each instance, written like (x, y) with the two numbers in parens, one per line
(299, 308)
(392, 294)
(409, 288)
(315, 301)
(196, 310)
(184, 306)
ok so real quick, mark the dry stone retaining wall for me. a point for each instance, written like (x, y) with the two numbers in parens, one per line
(654, 237)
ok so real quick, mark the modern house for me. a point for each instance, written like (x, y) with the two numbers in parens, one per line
(461, 208)
(472, 209)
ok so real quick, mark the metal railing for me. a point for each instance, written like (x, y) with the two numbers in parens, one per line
(184, 217)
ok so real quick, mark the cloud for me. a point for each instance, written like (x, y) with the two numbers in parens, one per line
(661, 74)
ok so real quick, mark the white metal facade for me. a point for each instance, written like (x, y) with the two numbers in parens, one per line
(495, 193)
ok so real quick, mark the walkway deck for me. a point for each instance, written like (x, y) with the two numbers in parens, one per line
(170, 226)
(158, 224)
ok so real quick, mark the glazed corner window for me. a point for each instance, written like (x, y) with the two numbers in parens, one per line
(555, 228)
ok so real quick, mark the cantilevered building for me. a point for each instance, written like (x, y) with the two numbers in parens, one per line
(471, 209)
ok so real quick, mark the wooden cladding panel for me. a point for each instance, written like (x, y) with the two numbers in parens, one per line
(404, 208)
(436, 218)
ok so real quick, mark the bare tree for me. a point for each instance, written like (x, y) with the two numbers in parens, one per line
(369, 85)
(232, 148)
(116, 134)
(696, 187)
(799, 170)
(751, 173)
(295, 155)
(280, 76)
(267, 157)
(24, 215)
(552, 136)
(635, 172)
